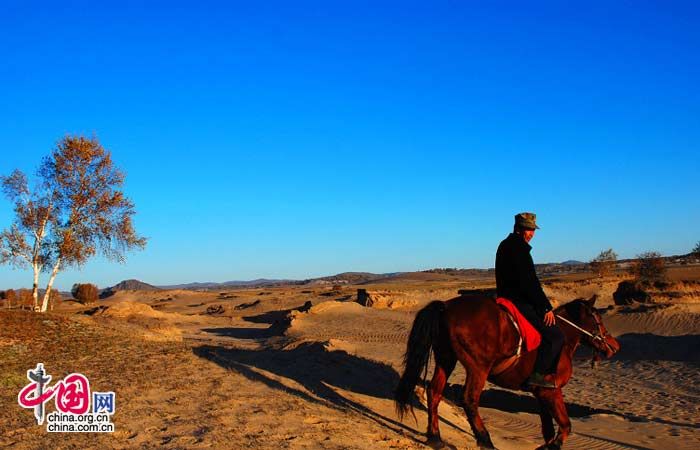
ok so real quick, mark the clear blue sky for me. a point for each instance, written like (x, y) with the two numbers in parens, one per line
(301, 139)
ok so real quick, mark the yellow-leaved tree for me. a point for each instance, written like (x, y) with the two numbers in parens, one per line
(75, 210)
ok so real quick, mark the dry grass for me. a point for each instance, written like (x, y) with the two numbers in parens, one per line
(66, 345)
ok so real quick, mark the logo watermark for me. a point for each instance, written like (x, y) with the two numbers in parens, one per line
(72, 399)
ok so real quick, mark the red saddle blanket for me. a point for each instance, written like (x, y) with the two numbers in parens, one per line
(531, 337)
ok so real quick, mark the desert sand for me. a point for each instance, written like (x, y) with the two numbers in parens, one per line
(307, 367)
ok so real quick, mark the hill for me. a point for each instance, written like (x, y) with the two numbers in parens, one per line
(127, 285)
(133, 285)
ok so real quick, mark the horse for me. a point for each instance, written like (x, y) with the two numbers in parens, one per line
(480, 334)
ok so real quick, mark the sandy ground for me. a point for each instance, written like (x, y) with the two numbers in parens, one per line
(265, 369)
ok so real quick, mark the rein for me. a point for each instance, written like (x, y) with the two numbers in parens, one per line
(587, 333)
(595, 337)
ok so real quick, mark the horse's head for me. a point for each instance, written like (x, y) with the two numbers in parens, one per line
(583, 313)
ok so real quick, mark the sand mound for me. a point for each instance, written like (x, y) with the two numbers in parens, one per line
(404, 299)
(153, 325)
(334, 307)
(672, 320)
(563, 292)
(390, 300)
(130, 308)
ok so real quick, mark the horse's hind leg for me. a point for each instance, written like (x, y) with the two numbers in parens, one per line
(472, 392)
(444, 365)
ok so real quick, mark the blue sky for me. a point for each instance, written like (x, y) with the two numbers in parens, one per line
(301, 139)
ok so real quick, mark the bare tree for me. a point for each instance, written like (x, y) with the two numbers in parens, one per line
(649, 268)
(604, 263)
(76, 211)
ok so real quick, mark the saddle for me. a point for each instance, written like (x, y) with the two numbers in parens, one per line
(528, 336)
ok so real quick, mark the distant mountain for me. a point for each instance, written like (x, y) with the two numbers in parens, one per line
(133, 285)
(127, 285)
(350, 278)
(260, 282)
(572, 262)
(341, 278)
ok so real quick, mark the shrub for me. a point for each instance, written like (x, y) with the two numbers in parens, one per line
(630, 291)
(25, 299)
(10, 297)
(604, 263)
(85, 293)
(649, 268)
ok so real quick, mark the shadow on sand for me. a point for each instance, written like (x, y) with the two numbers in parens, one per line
(277, 316)
(515, 402)
(647, 346)
(319, 371)
(242, 333)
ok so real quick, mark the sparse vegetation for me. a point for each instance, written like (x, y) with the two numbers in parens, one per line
(54, 298)
(10, 297)
(604, 264)
(25, 300)
(85, 293)
(76, 210)
(649, 268)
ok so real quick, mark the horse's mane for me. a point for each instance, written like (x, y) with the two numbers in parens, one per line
(572, 308)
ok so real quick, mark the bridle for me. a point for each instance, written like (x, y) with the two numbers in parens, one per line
(599, 336)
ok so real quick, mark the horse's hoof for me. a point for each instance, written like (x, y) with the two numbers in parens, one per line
(551, 446)
(435, 442)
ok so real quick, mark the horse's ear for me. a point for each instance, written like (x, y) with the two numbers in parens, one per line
(591, 301)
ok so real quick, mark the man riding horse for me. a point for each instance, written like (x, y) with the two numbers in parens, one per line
(476, 331)
(517, 281)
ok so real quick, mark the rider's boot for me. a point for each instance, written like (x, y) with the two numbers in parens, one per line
(540, 380)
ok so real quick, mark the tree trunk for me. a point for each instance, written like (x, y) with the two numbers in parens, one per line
(36, 265)
(35, 286)
(47, 294)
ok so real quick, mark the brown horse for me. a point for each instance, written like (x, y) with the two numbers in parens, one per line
(477, 332)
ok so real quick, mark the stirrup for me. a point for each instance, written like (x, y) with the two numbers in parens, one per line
(539, 380)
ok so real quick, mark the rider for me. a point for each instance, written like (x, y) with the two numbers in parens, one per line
(517, 281)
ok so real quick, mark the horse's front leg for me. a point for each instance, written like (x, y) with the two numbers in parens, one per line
(552, 405)
(547, 424)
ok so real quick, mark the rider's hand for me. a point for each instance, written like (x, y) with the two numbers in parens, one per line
(549, 318)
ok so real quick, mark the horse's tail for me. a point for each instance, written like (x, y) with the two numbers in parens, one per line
(424, 335)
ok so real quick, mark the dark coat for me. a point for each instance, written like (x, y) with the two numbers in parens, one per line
(516, 279)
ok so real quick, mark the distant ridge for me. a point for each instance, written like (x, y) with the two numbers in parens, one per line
(572, 262)
(341, 278)
(351, 278)
(359, 278)
(260, 282)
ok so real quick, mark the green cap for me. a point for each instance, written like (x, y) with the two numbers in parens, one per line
(526, 220)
